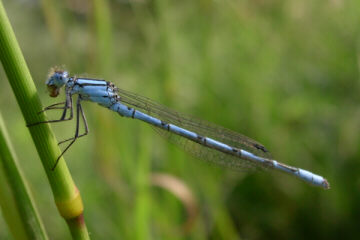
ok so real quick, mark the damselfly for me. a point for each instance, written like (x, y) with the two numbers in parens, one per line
(205, 140)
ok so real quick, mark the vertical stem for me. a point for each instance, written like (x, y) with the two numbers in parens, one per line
(66, 195)
(22, 205)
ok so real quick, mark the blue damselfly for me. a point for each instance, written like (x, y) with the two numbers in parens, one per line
(205, 140)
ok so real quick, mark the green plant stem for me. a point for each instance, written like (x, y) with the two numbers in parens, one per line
(66, 195)
(22, 201)
(104, 45)
(142, 203)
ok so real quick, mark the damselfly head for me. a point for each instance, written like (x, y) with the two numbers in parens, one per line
(57, 79)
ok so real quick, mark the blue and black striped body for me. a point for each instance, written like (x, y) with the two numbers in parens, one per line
(94, 90)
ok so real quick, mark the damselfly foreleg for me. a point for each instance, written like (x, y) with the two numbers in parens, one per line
(68, 105)
(54, 106)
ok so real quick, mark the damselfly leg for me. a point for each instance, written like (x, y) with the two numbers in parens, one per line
(67, 105)
(85, 126)
(53, 107)
(78, 111)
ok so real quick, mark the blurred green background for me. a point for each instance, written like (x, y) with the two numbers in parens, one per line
(285, 73)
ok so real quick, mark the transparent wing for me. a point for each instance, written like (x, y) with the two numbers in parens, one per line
(200, 127)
